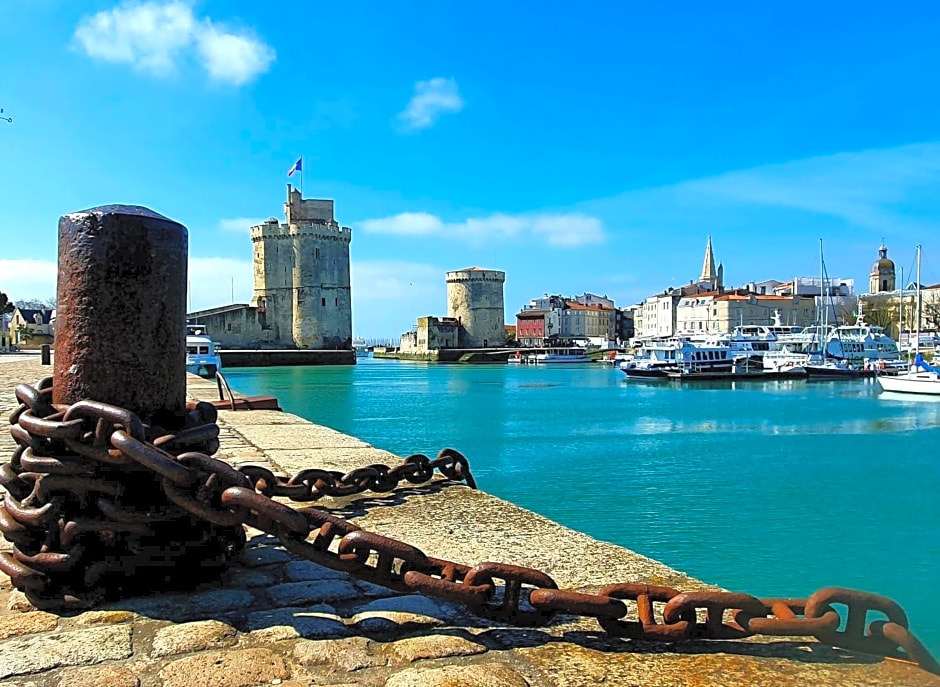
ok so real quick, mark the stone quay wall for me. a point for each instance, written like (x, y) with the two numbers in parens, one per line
(277, 620)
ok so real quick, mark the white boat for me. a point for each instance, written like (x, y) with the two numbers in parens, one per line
(552, 356)
(863, 343)
(921, 378)
(797, 351)
(361, 348)
(681, 354)
(201, 356)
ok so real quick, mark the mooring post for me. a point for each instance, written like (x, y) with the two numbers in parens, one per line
(45, 355)
(121, 311)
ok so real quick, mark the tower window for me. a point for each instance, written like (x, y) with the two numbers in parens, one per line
(336, 301)
(323, 302)
(316, 253)
(884, 285)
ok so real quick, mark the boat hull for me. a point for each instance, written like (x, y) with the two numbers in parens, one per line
(925, 383)
(205, 369)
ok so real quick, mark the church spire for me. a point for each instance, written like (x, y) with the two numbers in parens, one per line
(709, 274)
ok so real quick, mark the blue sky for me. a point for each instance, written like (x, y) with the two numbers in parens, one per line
(578, 148)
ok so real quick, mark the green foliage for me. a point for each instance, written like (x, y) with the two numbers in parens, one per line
(24, 334)
(6, 306)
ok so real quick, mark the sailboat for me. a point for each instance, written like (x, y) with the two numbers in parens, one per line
(922, 378)
(825, 365)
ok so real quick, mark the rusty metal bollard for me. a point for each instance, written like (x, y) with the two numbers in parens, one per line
(86, 505)
(45, 355)
(121, 311)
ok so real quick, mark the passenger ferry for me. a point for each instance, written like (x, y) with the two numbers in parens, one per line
(201, 357)
(551, 356)
(861, 343)
(659, 358)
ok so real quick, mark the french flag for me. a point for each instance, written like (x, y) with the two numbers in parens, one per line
(296, 167)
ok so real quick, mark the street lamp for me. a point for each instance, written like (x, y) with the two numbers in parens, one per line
(8, 119)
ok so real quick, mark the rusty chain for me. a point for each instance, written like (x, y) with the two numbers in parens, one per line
(100, 504)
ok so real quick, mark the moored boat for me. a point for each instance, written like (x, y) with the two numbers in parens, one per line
(834, 369)
(202, 358)
(552, 356)
(922, 378)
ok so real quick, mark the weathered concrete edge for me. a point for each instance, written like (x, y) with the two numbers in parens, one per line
(437, 520)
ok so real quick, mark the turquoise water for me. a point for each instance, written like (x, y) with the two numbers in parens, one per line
(775, 488)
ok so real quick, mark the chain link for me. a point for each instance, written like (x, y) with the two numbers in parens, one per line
(100, 504)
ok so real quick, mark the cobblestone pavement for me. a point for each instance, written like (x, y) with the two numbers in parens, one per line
(277, 620)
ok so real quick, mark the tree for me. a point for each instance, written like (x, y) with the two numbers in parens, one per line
(24, 334)
(883, 313)
(6, 306)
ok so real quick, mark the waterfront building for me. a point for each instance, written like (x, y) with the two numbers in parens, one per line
(656, 316)
(432, 333)
(530, 327)
(302, 288)
(719, 313)
(38, 323)
(556, 319)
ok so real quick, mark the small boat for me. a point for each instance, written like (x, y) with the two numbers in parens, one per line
(361, 348)
(645, 369)
(834, 369)
(922, 378)
(201, 356)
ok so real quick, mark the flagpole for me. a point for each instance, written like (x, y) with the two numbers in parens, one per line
(301, 176)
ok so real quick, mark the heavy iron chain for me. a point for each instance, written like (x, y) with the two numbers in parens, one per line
(100, 504)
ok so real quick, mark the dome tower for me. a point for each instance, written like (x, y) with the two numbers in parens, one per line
(881, 277)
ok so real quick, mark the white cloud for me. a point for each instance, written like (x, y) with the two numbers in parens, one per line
(235, 58)
(569, 230)
(556, 230)
(405, 224)
(240, 224)
(431, 99)
(157, 37)
(863, 188)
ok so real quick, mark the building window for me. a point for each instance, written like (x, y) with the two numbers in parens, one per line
(323, 302)
(316, 253)
(336, 301)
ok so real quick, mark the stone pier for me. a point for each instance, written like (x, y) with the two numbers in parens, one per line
(278, 620)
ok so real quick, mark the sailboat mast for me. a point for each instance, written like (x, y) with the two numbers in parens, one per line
(917, 324)
(901, 312)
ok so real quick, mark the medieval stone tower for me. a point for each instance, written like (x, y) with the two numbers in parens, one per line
(475, 298)
(301, 270)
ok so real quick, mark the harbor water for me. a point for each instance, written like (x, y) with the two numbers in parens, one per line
(770, 488)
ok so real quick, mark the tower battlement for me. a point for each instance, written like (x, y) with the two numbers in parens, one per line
(475, 274)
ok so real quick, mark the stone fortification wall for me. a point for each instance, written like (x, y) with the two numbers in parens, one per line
(234, 326)
(475, 297)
